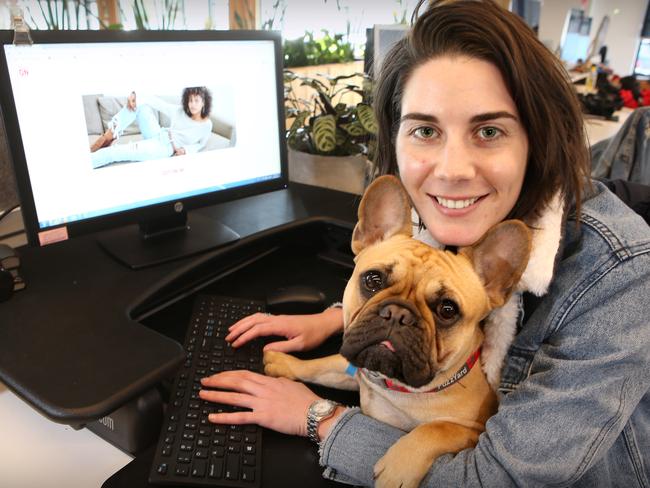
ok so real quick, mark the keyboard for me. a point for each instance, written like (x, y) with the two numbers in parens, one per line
(191, 450)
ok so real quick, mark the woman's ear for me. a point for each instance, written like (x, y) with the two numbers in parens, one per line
(385, 211)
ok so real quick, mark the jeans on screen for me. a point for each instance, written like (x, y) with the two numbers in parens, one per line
(154, 145)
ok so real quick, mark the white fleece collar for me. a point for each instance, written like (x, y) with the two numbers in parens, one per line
(501, 323)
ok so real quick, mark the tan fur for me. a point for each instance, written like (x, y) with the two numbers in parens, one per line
(478, 279)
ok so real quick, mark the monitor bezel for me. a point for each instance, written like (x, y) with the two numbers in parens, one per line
(108, 221)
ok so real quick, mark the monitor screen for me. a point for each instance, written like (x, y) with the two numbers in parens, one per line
(117, 125)
(574, 44)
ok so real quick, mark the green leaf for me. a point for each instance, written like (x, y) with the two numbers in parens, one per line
(298, 122)
(354, 129)
(324, 133)
(367, 118)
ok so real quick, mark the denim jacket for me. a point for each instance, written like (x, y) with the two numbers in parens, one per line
(575, 388)
(626, 155)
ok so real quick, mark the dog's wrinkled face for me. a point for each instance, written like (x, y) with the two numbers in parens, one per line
(410, 310)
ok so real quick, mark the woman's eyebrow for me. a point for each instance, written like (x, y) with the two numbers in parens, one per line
(476, 118)
(419, 116)
(492, 116)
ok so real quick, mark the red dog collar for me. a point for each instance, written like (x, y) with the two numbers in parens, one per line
(471, 361)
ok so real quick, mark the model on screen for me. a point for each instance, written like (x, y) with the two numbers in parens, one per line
(188, 132)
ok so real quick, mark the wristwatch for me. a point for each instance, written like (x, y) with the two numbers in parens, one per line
(318, 411)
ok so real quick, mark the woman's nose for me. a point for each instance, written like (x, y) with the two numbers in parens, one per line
(455, 161)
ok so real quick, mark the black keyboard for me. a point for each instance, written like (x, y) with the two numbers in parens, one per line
(192, 451)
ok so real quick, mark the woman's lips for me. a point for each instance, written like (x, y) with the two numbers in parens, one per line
(456, 206)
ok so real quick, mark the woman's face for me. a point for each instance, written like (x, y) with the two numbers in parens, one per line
(461, 147)
(195, 104)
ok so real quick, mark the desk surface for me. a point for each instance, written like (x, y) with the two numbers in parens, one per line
(36, 452)
(599, 129)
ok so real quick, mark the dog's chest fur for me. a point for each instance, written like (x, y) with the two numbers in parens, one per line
(453, 404)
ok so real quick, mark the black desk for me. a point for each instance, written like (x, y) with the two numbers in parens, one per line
(88, 335)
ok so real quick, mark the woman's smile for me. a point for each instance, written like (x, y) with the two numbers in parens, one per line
(457, 205)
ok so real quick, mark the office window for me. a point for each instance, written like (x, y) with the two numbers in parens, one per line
(352, 17)
(84, 14)
(642, 65)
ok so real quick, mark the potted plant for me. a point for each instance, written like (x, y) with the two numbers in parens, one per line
(332, 129)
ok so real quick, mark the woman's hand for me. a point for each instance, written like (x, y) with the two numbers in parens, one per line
(276, 403)
(179, 151)
(303, 332)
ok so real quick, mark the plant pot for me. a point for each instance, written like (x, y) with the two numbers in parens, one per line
(343, 173)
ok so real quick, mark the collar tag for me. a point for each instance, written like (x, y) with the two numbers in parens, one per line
(463, 371)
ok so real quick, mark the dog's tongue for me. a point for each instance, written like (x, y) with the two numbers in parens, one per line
(388, 344)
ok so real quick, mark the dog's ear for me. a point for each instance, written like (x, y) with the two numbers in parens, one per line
(384, 211)
(500, 257)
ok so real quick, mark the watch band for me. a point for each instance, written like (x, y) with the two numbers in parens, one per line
(314, 418)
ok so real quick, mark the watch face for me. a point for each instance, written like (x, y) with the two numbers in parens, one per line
(322, 407)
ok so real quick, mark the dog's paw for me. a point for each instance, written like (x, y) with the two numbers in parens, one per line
(403, 465)
(279, 364)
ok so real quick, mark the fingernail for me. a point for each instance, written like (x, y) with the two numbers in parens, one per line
(212, 417)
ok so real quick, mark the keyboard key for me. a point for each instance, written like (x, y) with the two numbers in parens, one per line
(215, 468)
(248, 474)
(162, 468)
(232, 467)
(198, 469)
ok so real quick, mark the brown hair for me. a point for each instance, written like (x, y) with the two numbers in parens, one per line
(199, 91)
(558, 157)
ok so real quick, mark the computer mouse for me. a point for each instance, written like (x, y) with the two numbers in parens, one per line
(295, 300)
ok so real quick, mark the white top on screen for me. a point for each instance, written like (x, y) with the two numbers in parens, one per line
(67, 95)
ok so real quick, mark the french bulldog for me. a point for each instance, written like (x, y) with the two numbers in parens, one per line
(413, 327)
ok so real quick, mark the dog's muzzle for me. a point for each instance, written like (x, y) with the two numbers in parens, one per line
(390, 338)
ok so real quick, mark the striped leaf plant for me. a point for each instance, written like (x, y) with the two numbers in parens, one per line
(335, 118)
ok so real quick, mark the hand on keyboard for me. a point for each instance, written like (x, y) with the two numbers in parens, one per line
(303, 332)
(276, 403)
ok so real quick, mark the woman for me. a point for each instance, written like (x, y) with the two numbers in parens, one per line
(480, 123)
(188, 132)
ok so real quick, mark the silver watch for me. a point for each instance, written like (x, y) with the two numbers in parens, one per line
(318, 411)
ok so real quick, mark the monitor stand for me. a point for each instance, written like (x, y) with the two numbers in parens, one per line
(159, 241)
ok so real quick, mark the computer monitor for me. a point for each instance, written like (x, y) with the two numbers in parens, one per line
(166, 153)
(574, 44)
(380, 39)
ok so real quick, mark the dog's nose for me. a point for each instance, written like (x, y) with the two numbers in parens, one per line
(397, 314)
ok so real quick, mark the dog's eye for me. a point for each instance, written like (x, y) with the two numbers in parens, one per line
(373, 281)
(447, 309)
